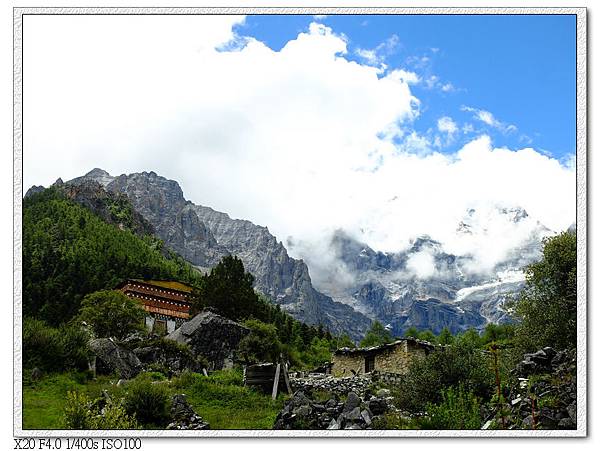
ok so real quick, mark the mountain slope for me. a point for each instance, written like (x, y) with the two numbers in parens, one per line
(203, 236)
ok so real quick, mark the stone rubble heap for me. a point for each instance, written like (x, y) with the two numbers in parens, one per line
(340, 386)
(301, 412)
(545, 396)
(184, 416)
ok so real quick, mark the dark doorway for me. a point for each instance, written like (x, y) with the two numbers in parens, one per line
(369, 363)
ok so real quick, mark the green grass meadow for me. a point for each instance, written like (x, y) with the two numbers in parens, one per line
(221, 399)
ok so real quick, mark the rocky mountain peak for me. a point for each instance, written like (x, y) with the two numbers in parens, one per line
(97, 175)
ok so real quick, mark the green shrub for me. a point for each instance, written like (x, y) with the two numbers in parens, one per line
(54, 349)
(75, 351)
(78, 411)
(459, 363)
(149, 402)
(111, 313)
(82, 413)
(42, 346)
(261, 344)
(459, 409)
(547, 307)
(114, 417)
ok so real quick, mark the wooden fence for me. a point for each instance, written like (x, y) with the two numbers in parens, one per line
(264, 375)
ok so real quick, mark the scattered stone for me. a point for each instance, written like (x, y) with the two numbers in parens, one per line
(487, 424)
(112, 358)
(334, 424)
(366, 416)
(339, 386)
(301, 412)
(352, 402)
(171, 358)
(184, 416)
(546, 385)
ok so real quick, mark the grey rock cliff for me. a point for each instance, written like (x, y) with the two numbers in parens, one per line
(162, 203)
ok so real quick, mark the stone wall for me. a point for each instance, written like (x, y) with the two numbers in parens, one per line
(344, 364)
(393, 358)
(398, 358)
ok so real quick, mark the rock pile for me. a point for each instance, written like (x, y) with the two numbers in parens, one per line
(184, 416)
(212, 336)
(112, 358)
(340, 386)
(301, 412)
(545, 393)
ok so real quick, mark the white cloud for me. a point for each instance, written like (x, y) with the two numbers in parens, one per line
(370, 56)
(378, 55)
(447, 125)
(488, 118)
(301, 140)
(406, 76)
(448, 87)
(468, 128)
(421, 264)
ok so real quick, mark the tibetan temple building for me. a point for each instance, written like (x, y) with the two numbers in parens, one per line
(166, 302)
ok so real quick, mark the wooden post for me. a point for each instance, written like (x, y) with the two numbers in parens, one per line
(494, 349)
(276, 382)
(92, 366)
(287, 380)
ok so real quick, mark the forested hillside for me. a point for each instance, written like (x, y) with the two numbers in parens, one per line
(69, 252)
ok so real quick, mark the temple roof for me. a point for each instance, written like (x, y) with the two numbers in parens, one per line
(169, 284)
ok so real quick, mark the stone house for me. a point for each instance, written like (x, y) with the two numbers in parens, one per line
(388, 358)
(167, 303)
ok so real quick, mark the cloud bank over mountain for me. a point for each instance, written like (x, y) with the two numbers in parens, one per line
(303, 140)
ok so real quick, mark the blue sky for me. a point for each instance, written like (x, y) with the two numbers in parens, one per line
(521, 69)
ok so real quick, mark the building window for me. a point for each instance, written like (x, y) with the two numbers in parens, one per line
(369, 363)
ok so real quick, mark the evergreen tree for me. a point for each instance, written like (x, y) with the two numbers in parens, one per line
(229, 288)
(411, 332)
(427, 335)
(445, 337)
(547, 307)
(261, 344)
(376, 335)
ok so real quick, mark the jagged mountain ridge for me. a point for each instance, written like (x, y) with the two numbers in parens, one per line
(425, 286)
(203, 236)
